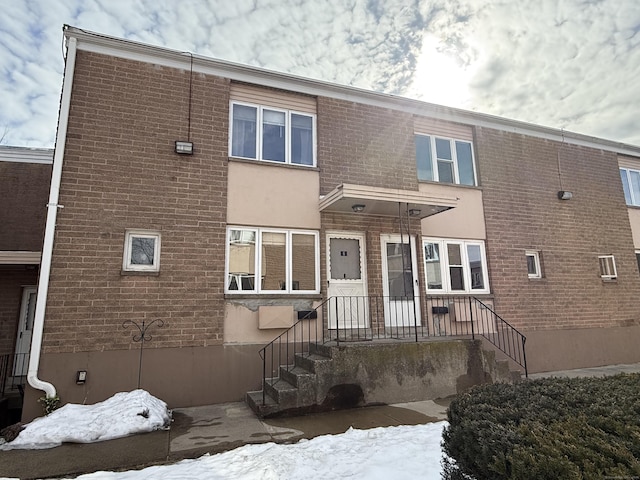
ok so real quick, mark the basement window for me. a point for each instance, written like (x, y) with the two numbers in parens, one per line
(141, 251)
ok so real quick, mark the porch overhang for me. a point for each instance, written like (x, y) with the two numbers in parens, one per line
(19, 257)
(384, 201)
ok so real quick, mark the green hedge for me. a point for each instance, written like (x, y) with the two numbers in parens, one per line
(553, 428)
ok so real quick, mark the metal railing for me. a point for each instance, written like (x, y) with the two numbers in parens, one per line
(365, 318)
(13, 372)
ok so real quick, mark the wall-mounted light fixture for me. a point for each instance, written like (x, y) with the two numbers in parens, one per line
(565, 195)
(358, 208)
(184, 148)
(414, 212)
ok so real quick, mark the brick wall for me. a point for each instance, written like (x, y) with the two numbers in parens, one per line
(12, 279)
(365, 145)
(24, 189)
(120, 172)
(520, 180)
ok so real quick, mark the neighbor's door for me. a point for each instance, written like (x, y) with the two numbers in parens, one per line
(346, 289)
(25, 328)
(399, 281)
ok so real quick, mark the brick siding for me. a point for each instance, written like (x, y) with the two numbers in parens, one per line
(120, 172)
(520, 180)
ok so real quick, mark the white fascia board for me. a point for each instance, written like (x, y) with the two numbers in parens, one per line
(26, 155)
(97, 43)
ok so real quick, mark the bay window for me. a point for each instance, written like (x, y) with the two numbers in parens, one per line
(263, 260)
(455, 266)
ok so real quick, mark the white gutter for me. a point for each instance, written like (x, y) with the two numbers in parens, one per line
(50, 227)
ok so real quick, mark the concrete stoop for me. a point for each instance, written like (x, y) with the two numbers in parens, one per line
(348, 375)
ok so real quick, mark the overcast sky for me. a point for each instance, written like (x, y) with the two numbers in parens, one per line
(560, 63)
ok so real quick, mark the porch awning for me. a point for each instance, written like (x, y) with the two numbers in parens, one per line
(384, 201)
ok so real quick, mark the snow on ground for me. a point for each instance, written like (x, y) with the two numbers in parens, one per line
(404, 452)
(123, 414)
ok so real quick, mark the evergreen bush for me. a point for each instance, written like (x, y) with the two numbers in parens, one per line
(552, 428)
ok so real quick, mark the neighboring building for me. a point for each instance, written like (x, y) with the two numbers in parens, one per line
(297, 191)
(24, 189)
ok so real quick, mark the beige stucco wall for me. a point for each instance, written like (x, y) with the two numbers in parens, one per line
(634, 220)
(261, 194)
(464, 221)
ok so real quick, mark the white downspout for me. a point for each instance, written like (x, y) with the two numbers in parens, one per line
(50, 226)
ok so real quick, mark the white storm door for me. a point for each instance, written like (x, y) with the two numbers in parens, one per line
(346, 289)
(25, 329)
(399, 281)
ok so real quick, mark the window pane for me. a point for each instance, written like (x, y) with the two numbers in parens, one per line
(399, 270)
(443, 149)
(455, 266)
(635, 186)
(445, 171)
(433, 266)
(142, 250)
(625, 186)
(274, 261)
(465, 163)
(344, 259)
(531, 265)
(242, 260)
(243, 143)
(638, 260)
(475, 267)
(303, 261)
(457, 279)
(301, 139)
(423, 157)
(273, 135)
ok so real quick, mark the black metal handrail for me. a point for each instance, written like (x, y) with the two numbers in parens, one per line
(370, 317)
(13, 372)
(288, 344)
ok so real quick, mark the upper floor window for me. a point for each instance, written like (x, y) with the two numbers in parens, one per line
(455, 266)
(141, 251)
(445, 160)
(533, 264)
(608, 269)
(263, 260)
(272, 134)
(631, 185)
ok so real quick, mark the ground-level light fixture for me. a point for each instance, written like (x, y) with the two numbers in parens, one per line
(184, 148)
(565, 195)
(358, 208)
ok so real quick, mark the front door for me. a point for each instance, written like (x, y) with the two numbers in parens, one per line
(25, 328)
(346, 289)
(399, 281)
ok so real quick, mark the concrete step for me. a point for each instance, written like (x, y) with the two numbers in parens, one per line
(319, 349)
(282, 392)
(311, 363)
(255, 402)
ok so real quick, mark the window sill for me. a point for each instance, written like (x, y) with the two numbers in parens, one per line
(271, 296)
(276, 164)
(460, 294)
(431, 182)
(137, 273)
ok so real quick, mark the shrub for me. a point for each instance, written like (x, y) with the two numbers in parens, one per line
(581, 428)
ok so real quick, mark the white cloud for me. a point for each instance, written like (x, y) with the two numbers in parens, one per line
(565, 64)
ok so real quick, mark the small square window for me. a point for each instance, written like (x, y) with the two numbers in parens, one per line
(141, 251)
(608, 267)
(533, 265)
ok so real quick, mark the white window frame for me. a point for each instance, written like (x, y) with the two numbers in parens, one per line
(444, 265)
(258, 261)
(454, 158)
(607, 264)
(536, 262)
(127, 265)
(288, 136)
(627, 185)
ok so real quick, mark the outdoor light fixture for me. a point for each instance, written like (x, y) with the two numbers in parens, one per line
(81, 377)
(184, 148)
(564, 195)
(358, 208)
(414, 212)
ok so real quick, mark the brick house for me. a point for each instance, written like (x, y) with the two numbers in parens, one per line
(24, 187)
(297, 192)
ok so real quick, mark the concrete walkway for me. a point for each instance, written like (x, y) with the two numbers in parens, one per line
(218, 428)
